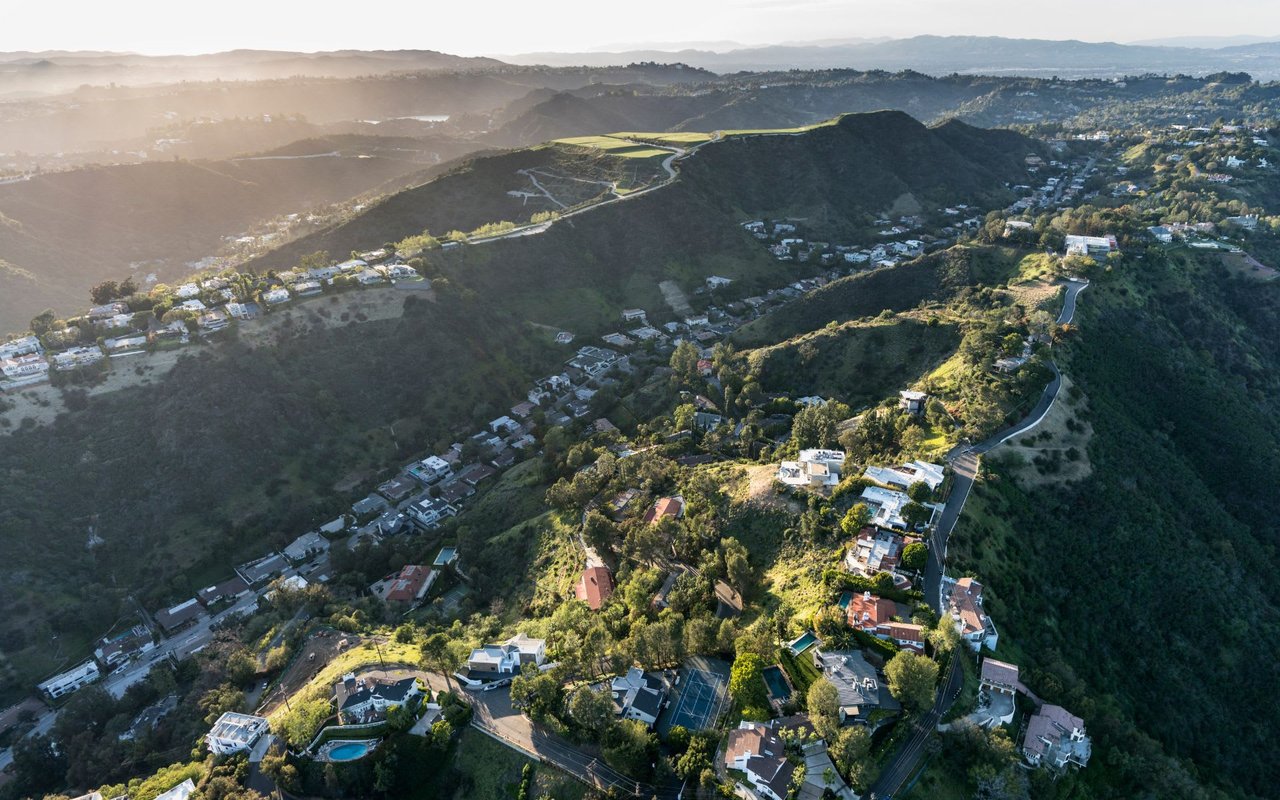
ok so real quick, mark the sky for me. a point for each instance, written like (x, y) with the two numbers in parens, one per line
(495, 27)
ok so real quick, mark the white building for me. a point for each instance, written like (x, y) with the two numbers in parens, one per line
(71, 680)
(886, 506)
(1091, 245)
(235, 733)
(815, 468)
(971, 621)
(24, 366)
(20, 347)
(638, 695)
(274, 297)
(495, 661)
(77, 357)
(908, 474)
(430, 469)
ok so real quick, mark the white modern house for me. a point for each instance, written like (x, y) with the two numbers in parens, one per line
(638, 695)
(235, 733)
(495, 664)
(815, 468)
(907, 474)
(67, 682)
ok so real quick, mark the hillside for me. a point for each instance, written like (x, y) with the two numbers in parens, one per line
(61, 233)
(1128, 591)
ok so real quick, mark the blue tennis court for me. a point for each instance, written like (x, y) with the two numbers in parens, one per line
(703, 696)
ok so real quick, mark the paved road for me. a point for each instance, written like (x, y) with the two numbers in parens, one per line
(495, 716)
(904, 761)
(964, 466)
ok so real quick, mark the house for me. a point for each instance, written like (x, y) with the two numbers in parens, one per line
(474, 474)
(305, 288)
(886, 507)
(564, 337)
(912, 402)
(405, 588)
(999, 677)
(858, 687)
(107, 310)
(229, 590)
(816, 468)
(430, 469)
(1055, 738)
(697, 322)
(67, 682)
(262, 569)
(594, 587)
(906, 635)
(617, 340)
(125, 345)
(305, 546)
(24, 366)
(398, 488)
(867, 612)
(21, 347)
(182, 791)
(665, 507)
(874, 551)
(235, 733)
(1092, 246)
(971, 621)
(523, 410)
(363, 700)
(638, 695)
(114, 650)
(178, 617)
(274, 297)
(1161, 233)
(368, 507)
(706, 421)
(503, 425)
(716, 281)
(633, 315)
(186, 291)
(77, 357)
(494, 662)
(908, 474)
(369, 277)
(429, 512)
(757, 751)
(1249, 221)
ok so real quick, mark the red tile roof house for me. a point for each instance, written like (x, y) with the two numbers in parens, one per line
(665, 507)
(406, 588)
(971, 621)
(867, 612)
(595, 587)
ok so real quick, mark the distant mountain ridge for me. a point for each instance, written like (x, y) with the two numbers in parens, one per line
(939, 55)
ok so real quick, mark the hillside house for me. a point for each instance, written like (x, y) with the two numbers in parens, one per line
(594, 587)
(429, 512)
(214, 320)
(1056, 738)
(717, 282)
(263, 569)
(867, 612)
(638, 695)
(874, 551)
(886, 507)
(495, 664)
(999, 676)
(430, 470)
(858, 687)
(907, 635)
(634, 315)
(912, 402)
(305, 288)
(235, 733)
(305, 546)
(815, 468)
(406, 588)
(124, 345)
(751, 740)
(175, 618)
(965, 605)
(363, 700)
(229, 590)
(21, 347)
(1091, 246)
(77, 357)
(663, 508)
(906, 475)
(398, 488)
(24, 366)
(115, 650)
(67, 682)
(106, 310)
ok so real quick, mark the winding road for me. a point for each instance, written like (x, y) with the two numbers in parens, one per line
(964, 467)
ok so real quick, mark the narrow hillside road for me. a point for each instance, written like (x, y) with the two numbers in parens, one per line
(964, 467)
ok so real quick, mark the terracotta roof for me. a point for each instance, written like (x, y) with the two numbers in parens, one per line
(595, 587)
(964, 600)
(756, 740)
(408, 585)
(665, 507)
(905, 631)
(868, 611)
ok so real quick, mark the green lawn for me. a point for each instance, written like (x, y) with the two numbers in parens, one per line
(679, 137)
(614, 147)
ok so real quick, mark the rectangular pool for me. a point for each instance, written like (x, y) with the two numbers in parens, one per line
(777, 683)
(809, 639)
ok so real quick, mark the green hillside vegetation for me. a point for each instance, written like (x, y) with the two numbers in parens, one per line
(1165, 539)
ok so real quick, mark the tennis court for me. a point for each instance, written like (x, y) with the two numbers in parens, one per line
(703, 696)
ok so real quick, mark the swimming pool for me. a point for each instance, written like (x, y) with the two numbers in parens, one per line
(845, 599)
(350, 751)
(809, 639)
(777, 683)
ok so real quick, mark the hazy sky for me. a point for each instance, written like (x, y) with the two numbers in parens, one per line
(513, 26)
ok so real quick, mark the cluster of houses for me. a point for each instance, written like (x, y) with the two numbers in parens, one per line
(1053, 737)
(759, 751)
(213, 304)
(786, 245)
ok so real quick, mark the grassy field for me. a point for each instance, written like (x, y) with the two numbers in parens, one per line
(675, 138)
(362, 655)
(490, 770)
(614, 147)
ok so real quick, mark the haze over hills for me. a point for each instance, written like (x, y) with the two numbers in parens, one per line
(942, 55)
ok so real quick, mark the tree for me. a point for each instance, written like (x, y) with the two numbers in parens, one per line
(43, 322)
(219, 700)
(850, 751)
(737, 566)
(684, 416)
(920, 492)
(943, 636)
(915, 514)
(746, 686)
(823, 703)
(441, 733)
(104, 292)
(441, 655)
(630, 747)
(684, 366)
(914, 556)
(855, 519)
(818, 426)
(593, 710)
(911, 679)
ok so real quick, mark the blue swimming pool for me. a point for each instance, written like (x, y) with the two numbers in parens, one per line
(845, 599)
(809, 639)
(777, 683)
(350, 751)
